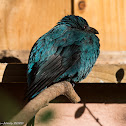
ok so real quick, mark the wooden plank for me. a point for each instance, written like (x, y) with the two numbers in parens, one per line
(108, 17)
(101, 73)
(13, 72)
(89, 93)
(112, 57)
(79, 115)
(24, 21)
(2, 69)
(14, 56)
(21, 56)
(106, 73)
(12, 97)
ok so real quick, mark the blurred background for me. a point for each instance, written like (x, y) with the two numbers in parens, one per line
(22, 22)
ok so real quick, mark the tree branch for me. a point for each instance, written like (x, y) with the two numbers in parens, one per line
(42, 100)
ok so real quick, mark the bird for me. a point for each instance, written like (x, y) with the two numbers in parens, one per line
(65, 53)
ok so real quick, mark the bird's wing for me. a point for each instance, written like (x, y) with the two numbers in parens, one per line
(60, 54)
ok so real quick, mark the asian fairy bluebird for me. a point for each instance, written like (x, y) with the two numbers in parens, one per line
(67, 52)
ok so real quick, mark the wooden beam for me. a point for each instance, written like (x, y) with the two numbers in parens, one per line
(107, 73)
(103, 73)
(12, 97)
(89, 93)
(81, 115)
(14, 56)
(105, 57)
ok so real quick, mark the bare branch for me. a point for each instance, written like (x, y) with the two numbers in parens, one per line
(42, 100)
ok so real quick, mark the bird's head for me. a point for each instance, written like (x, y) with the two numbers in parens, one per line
(78, 23)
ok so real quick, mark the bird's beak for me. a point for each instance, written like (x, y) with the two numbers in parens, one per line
(92, 30)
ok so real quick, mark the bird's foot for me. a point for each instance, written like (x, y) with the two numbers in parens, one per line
(73, 84)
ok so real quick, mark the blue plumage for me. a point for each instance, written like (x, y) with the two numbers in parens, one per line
(67, 52)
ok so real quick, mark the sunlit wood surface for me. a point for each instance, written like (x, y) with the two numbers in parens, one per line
(108, 17)
(22, 22)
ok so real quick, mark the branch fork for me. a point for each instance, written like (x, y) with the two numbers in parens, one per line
(43, 99)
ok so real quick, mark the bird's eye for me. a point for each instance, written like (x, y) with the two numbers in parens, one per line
(85, 26)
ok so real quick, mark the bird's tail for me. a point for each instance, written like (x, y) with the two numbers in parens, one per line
(31, 122)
